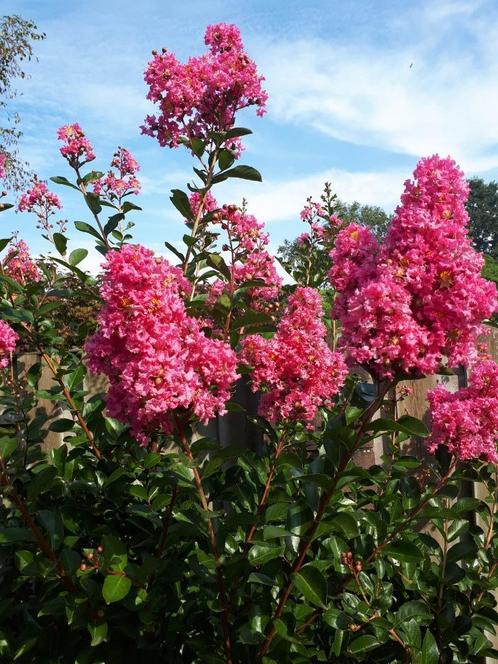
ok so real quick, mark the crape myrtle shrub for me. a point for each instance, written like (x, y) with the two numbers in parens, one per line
(141, 539)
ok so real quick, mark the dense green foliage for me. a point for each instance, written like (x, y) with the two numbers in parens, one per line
(110, 552)
(17, 36)
(482, 207)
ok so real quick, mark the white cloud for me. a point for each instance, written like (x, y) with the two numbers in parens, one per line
(434, 88)
(280, 200)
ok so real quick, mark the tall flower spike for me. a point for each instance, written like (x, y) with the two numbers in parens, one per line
(466, 422)
(8, 339)
(157, 358)
(296, 370)
(419, 296)
(19, 265)
(205, 94)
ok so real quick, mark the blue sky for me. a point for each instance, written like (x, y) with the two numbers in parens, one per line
(359, 90)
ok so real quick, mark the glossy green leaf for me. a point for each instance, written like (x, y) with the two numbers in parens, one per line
(312, 584)
(115, 588)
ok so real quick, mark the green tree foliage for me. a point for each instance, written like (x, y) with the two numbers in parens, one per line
(482, 207)
(17, 36)
(309, 265)
(368, 215)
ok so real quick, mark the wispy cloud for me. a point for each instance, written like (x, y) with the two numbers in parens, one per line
(434, 87)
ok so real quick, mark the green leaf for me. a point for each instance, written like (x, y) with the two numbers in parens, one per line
(225, 159)
(363, 644)
(59, 179)
(61, 425)
(98, 631)
(261, 553)
(128, 205)
(403, 551)
(465, 550)
(86, 228)
(252, 318)
(92, 176)
(405, 424)
(414, 609)
(25, 647)
(175, 251)
(93, 202)
(7, 446)
(274, 532)
(345, 523)
(115, 588)
(77, 256)
(243, 172)
(180, 200)
(12, 535)
(198, 146)
(60, 242)
(430, 651)
(311, 582)
(4, 242)
(216, 261)
(23, 559)
(237, 131)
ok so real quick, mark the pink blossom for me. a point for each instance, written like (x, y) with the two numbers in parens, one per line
(303, 238)
(8, 339)
(18, 264)
(422, 287)
(157, 358)
(114, 186)
(296, 369)
(311, 210)
(3, 164)
(251, 260)
(209, 203)
(466, 422)
(77, 148)
(43, 203)
(204, 94)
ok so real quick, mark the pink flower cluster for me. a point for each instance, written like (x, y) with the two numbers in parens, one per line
(466, 422)
(296, 368)
(114, 187)
(8, 339)
(77, 148)
(204, 94)
(419, 295)
(3, 163)
(250, 259)
(157, 358)
(18, 264)
(42, 202)
(209, 203)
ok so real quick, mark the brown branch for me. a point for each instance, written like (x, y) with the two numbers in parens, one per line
(37, 533)
(311, 531)
(214, 547)
(67, 394)
(264, 496)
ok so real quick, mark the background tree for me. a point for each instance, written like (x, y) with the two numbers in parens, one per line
(17, 36)
(367, 215)
(306, 258)
(482, 207)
